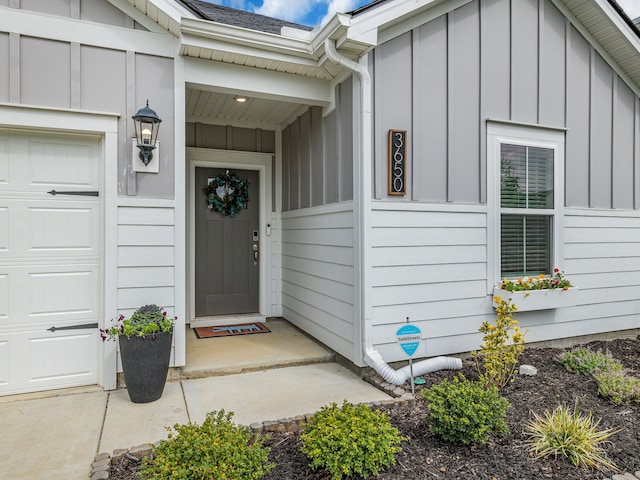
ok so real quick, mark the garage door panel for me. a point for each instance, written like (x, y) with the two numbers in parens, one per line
(41, 360)
(48, 227)
(59, 164)
(48, 295)
(74, 356)
(63, 293)
(62, 229)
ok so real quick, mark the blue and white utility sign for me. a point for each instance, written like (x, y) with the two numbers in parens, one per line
(409, 337)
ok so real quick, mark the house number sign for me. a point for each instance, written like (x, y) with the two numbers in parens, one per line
(397, 162)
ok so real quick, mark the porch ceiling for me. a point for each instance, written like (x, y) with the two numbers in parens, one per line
(222, 109)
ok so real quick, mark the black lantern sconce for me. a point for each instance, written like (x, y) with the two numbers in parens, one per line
(146, 123)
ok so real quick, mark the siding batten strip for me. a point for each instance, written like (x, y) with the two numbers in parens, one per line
(15, 78)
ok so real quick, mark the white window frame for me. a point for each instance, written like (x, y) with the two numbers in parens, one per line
(533, 136)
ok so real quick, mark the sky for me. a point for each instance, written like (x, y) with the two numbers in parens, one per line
(631, 7)
(305, 12)
(313, 12)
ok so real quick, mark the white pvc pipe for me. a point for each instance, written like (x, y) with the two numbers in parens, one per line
(400, 376)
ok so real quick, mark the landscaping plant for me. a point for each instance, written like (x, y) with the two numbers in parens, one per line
(570, 434)
(146, 320)
(618, 387)
(217, 449)
(555, 281)
(587, 362)
(465, 411)
(503, 343)
(352, 440)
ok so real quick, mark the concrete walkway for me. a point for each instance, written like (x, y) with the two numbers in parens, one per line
(57, 434)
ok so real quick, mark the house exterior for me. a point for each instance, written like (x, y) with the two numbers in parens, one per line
(377, 149)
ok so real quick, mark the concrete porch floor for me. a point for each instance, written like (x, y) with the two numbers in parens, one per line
(284, 346)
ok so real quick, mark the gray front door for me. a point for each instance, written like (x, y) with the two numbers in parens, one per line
(227, 251)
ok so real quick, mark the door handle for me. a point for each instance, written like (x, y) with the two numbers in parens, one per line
(255, 254)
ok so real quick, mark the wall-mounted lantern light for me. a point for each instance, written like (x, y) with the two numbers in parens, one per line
(146, 123)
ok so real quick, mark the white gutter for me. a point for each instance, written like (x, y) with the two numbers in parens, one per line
(363, 208)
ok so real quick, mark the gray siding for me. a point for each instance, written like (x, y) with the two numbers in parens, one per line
(509, 60)
(221, 137)
(318, 274)
(317, 155)
(58, 74)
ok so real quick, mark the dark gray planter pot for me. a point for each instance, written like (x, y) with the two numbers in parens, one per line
(145, 364)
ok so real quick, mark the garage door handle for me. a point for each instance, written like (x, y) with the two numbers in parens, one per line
(86, 194)
(74, 327)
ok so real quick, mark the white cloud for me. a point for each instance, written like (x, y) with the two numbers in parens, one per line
(336, 6)
(293, 11)
(631, 7)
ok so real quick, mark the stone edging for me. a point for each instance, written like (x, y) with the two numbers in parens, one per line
(101, 465)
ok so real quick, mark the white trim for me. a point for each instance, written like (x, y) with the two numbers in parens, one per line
(393, 19)
(230, 78)
(599, 212)
(135, 14)
(427, 207)
(146, 202)
(105, 125)
(260, 162)
(346, 206)
(498, 133)
(83, 32)
(180, 240)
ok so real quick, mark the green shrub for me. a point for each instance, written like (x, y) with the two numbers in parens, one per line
(503, 343)
(352, 440)
(216, 449)
(570, 434)
(465, 411)
(618, 387)
(587, 362)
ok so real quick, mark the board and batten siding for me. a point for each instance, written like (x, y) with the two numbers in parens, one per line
(146, 256)
(318, 274)
(506, 60)
(317, 155)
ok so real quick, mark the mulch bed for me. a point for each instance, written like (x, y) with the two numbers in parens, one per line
(425, 456)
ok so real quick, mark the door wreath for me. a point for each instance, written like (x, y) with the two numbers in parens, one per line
(227, 193)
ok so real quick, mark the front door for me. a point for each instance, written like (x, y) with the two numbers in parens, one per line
(227, 250)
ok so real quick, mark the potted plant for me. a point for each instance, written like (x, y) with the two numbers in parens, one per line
(145, 348)
(538, 293)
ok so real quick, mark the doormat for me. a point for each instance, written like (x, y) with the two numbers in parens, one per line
(231, 330)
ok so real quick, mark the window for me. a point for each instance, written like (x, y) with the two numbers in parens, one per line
(525, 170)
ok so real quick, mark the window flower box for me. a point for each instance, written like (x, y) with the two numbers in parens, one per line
(537, 293)
(530, 300)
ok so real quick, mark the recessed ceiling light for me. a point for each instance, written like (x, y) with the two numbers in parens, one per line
(240, 99)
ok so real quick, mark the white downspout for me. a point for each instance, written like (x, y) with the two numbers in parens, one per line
(363, 214)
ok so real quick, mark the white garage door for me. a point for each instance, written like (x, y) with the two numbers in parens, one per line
(49, 261)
